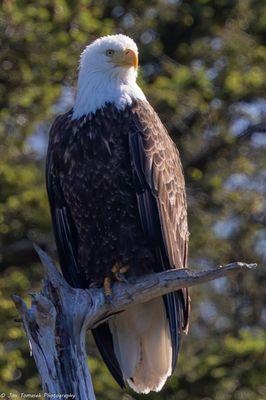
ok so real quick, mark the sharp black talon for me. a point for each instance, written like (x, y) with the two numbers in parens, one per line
(121, 277)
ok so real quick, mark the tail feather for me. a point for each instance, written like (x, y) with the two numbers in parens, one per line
(142, 345)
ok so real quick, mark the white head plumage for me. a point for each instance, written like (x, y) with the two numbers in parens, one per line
(107, 73)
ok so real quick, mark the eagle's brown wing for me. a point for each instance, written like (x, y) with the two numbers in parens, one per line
(161, 196)
(63, 225)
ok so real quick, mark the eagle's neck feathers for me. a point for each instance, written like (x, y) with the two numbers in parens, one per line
(95, 89)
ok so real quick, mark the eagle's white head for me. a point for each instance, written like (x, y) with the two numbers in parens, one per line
(107, 73)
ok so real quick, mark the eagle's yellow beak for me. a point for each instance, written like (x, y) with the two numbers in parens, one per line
(126, 58)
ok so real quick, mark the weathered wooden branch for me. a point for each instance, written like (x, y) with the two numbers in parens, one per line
(59, 317)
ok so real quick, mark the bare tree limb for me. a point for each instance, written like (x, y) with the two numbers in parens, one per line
(60, 315)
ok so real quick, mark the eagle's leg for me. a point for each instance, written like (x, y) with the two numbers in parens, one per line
(119, 272)
(107, 288)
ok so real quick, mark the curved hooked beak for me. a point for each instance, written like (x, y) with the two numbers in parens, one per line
(126, 58)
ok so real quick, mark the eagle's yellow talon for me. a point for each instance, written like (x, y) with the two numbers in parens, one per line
(115, 268)
(107, 287)
(124, 269)
(119, 272)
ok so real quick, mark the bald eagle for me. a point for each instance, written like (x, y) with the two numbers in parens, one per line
(118, 205)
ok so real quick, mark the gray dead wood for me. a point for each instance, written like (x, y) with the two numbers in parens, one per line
(59, 316)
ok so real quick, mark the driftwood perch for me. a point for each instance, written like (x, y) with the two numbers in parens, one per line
(59, 317)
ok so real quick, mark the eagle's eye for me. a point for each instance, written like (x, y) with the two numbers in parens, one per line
(109, 52)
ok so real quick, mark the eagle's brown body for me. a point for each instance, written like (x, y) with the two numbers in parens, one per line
(117, 196)
(95, 174)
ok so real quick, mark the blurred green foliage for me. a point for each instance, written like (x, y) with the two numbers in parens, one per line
(203, 68)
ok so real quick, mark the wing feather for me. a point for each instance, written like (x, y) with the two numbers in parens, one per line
(161, 197)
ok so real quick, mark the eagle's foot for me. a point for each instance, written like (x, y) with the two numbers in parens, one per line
(107, 288)
(120, 277)
(119, 272)
(116, 268)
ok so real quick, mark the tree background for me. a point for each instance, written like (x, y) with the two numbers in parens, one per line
(203, 68)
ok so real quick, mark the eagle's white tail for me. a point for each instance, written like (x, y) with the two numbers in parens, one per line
(142, 345)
